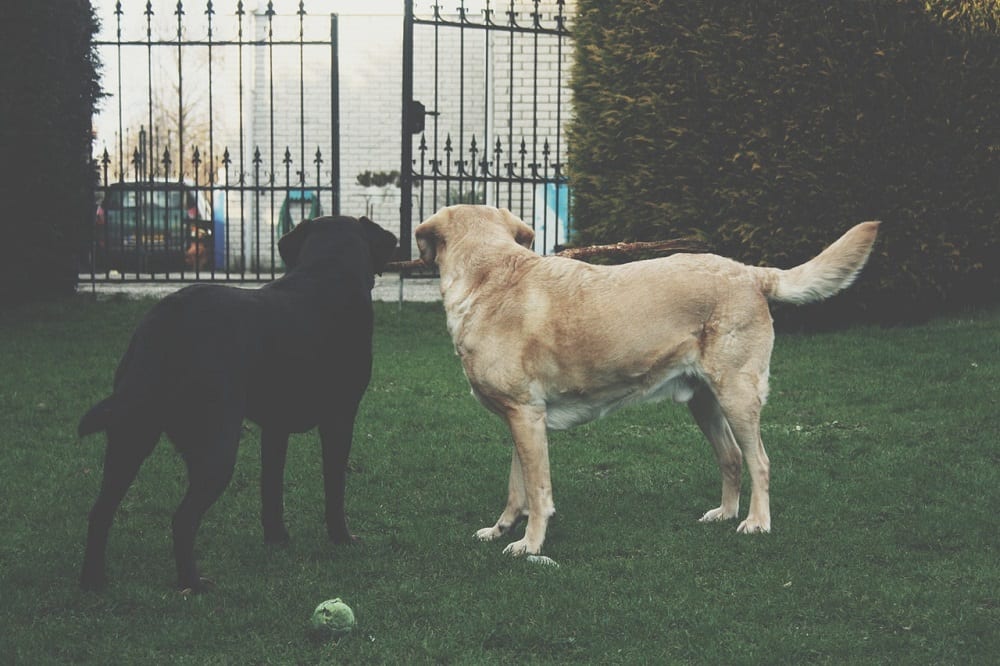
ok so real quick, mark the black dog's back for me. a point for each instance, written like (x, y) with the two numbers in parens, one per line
(272, 349)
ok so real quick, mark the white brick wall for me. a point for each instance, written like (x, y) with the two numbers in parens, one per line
(516, 77)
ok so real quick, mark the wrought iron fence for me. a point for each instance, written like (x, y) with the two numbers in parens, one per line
(213, 146)
(222, 127)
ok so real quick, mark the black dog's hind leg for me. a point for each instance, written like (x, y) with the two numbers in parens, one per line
(336, 435)
(273, 450)
(127, 448)
(210, 464)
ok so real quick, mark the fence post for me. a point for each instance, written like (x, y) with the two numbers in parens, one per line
(406, 159)
(335, 112)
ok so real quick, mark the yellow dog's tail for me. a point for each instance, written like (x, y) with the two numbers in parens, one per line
(832, 271)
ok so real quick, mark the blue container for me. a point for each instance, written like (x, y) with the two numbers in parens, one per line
(219, 230)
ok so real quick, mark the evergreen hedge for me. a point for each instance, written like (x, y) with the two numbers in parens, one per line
(769, 127)
(49, 79)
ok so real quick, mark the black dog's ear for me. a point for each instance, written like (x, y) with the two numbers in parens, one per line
(290, 244)
(382, 243)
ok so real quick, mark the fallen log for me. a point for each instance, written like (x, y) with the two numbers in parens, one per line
(402, 266)
(626, 250)
(620, 252)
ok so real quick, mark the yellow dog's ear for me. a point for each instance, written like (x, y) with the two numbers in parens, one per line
(522, 233)
(428, 238)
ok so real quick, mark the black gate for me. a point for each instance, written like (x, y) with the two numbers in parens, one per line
(213, 145)
(484, 102)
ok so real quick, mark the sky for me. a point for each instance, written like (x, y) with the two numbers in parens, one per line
(136, 74)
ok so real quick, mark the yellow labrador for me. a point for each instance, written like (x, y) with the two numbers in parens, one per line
(550, 342)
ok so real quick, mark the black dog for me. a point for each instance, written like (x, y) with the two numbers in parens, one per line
(290, 356)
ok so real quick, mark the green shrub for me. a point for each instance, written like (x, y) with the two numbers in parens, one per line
(768, 128)
(50, 86)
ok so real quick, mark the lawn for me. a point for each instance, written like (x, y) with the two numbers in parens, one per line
(885, 451)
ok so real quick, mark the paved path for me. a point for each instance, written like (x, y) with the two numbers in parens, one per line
(387, 288)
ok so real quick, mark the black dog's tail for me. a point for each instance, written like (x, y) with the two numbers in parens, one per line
(96, 419)
(150, 352)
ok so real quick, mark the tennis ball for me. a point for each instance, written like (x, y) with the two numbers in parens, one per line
(333, 618)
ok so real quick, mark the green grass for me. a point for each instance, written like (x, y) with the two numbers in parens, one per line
(885, 447)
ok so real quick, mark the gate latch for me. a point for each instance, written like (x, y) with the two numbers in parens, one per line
(415, 116)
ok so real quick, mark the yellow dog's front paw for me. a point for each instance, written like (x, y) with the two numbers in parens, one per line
(716, 515)
(488, 534)
(522, 547)
(754, 526)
